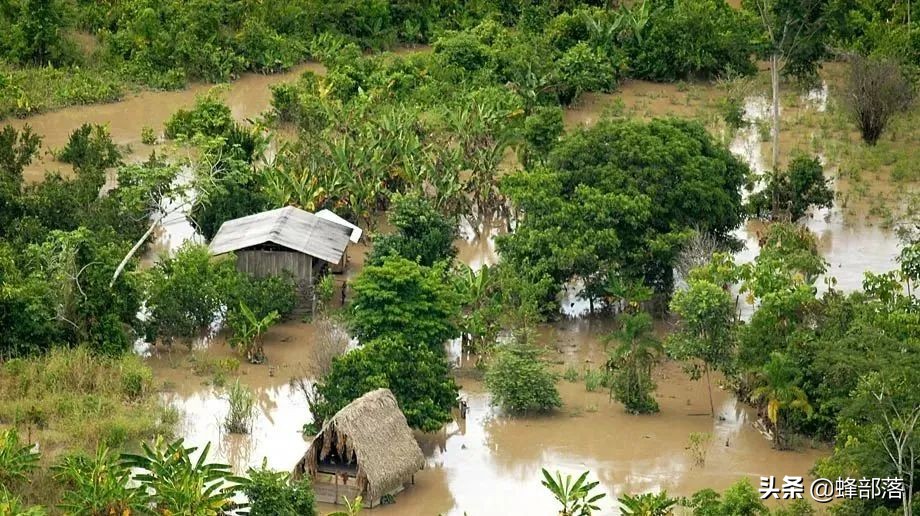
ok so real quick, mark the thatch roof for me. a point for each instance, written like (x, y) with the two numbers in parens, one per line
(288, 227)
(373, 431)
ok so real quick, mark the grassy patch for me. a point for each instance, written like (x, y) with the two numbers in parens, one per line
(27, 91)
(70, 399)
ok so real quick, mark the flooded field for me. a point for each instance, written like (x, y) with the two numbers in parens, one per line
(490, 463)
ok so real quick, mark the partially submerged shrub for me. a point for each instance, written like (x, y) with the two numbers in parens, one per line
(520, 381)
(877, 91)
(275, 493)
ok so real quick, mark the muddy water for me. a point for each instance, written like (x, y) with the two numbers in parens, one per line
(490, 463)
(247, 97)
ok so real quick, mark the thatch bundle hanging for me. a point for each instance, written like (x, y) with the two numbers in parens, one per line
(372, 433)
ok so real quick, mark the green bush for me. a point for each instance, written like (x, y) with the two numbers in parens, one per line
(520, 382)
(417, 376)
(90, 147)
(209, 117)
(693, 38)
(273, 493)
(584, 68)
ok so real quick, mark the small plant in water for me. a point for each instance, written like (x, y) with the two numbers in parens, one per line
(594, 379)
(698, 446)
(239, 417)
(570, 374)
(148, 137)
(575, 497)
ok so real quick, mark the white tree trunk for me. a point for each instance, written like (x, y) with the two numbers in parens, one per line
(127, 258)
(774, 79)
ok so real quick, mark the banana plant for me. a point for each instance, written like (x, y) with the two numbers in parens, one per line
(648, 504)
(180, 485)
(17, 460)
(98, 485)
(575, 497)
(352, 508)
(249, 330)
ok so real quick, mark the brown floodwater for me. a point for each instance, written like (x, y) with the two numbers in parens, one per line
(490, 463)
(247, 98)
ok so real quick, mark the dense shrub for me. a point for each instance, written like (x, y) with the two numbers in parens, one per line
(423, 234)
(693, 38)
(520, 382)
(186, 292)
(418, 377)
(272, 493)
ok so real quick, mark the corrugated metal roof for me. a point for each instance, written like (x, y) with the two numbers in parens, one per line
(288, 227)
(330, 215)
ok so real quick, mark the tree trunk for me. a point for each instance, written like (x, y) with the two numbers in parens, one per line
(776, 435)
(127, 258)
(774, 80)
(712, 407)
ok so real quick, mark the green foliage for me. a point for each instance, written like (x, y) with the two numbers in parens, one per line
(542, 130)
(77, 400)
(627, 194)
(17, 148)
(520, 382)
(209, 117)
(148, 136)
(241, 403)
(404, 300)
(584, 68)
(98, 484)
(687, 39)
(423, 234)
(574, 497)
(648, 504)
(738, 500)
(418, 377)
(272, 493)
(186, 292)
(594, 379)
(35, 34)
(181, 485)
(780, 392)
(793, 192)
(249, 330)
(26, 91)
(795, 32)
(705, 336)
(90, 148)
(632, 361)
(17, 460)
(12, 505)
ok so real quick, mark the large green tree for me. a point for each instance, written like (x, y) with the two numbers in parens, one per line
(418, 377)
(401, 299)
(619, 199)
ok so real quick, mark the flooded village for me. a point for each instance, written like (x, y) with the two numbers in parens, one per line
(487, 459)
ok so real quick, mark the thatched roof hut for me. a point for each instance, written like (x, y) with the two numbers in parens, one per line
(369, 441)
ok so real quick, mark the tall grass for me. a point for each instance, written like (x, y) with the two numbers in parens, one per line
(242, 402)
(73, 399)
